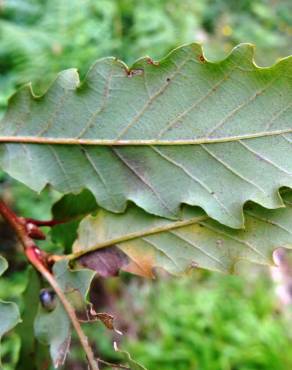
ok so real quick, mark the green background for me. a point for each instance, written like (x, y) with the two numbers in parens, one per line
(203, 322)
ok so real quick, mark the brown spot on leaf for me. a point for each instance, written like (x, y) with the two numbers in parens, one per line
(135, 72)
(89, 315)
(152, 62)
(194, 264)
(63, 350)
(201, 58)
(141, 261)
(142, 269)
(106, 319)
(106, 261)
(219, 243)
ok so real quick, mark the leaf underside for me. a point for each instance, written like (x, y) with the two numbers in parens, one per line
(172, 151)
(178, 246)
(180, 131)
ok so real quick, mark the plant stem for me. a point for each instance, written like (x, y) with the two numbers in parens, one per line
(16, 225)
(72, 315)
(49, 223)
(39, 259)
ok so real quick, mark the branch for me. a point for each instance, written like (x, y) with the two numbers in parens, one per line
(49, 223)
(41, 262)
(72, 315)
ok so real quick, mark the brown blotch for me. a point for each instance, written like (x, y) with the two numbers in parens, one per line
(194, 264)
(135, 72)
(143, 269)
(142, 262)
(219, 243)
(152, 62)
(201, 58)
(106, 261)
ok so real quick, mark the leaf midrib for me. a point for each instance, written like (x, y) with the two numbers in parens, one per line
(139, 234)
(114, 142)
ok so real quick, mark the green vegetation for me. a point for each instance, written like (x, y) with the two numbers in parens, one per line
(218, 322)
(204, 322)
(40, 38)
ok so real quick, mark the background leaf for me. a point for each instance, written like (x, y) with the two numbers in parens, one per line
(72, 208)
(32, 353)
(9, 312)
(53, 327)
(195, 241)
(127, 357)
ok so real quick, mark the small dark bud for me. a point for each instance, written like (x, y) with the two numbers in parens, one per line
(48, 299)
(34, 232)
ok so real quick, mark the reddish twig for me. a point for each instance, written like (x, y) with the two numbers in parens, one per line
(49, 223)
(43, 263)
(17, 225)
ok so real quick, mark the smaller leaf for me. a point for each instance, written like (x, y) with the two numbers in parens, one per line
(133, 365)
(72, 280)
(53, 327)
(152, 242)
(65, 234)
(9, 312)
(71, 207)
(106, 319)
(74, 205)
(89, 315)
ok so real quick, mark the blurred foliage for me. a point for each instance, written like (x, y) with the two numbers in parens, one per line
(38, 38)
(215, 323)
(205, 321)
(27, 202)
(208, 322)
(9, 351)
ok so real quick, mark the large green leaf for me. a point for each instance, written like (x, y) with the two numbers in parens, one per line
(194, 241)
(184, 130)
(72, 208)
(9, 313)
